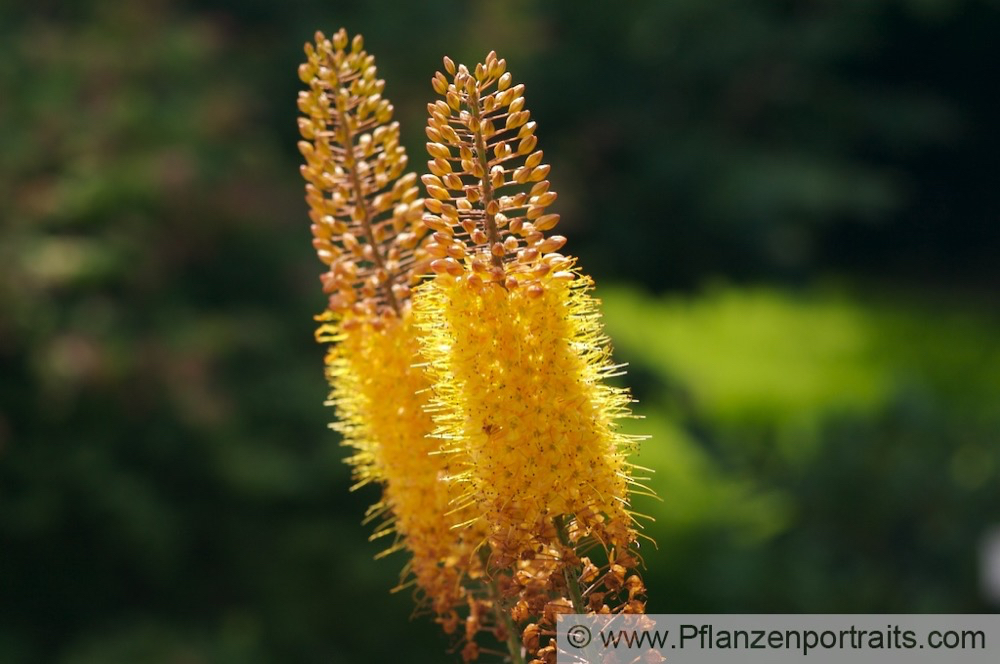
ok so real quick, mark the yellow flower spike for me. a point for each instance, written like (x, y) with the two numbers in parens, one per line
(518, 359)
(380, 398)
(366, 227)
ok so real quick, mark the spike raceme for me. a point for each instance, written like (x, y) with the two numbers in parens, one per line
(519, 362)
(363, 208)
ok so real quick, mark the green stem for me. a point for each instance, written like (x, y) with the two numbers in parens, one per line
(569, 573)
(513, 638)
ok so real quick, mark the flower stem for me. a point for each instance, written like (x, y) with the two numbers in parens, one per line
(486, 186)
(569, 573)
(513, 638)
(360, 202)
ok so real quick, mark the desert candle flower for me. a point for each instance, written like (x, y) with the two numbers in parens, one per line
(518, 360)
(363, 209)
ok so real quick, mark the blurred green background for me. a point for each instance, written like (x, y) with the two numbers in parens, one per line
(790, 208)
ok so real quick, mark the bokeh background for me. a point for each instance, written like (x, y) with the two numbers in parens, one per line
(791, 210)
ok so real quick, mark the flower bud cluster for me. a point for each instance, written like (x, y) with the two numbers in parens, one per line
(362, 205)
(487, 192)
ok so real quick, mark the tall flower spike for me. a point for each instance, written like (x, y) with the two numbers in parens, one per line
(363, 210)
(519, 362)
